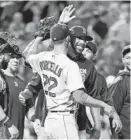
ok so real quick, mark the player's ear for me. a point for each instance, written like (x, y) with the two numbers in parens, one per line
(67, 40)
(94, 57)
(51, 46)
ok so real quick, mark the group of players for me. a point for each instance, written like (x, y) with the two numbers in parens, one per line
(65, 81)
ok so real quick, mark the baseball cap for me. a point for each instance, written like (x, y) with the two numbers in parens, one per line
(59, 32)
(92, 46)
(80, 32)
(126, 50)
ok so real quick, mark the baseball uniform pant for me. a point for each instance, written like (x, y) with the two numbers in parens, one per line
(60, 125)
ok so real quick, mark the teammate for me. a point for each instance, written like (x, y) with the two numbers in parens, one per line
(16, 111)
(120, 90)
(5, 48)
(61, 81)
(89, 53)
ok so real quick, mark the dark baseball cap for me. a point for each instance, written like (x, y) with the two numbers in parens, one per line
(80, 32)
(92, 46)
(126, 50)
(59, 32)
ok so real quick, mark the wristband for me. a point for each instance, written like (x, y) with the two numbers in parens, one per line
(8, 123)
(62, 23)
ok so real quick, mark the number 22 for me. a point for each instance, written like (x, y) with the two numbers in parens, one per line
(49, 80)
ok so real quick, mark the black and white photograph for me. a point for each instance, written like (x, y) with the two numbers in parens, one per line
(65, 69)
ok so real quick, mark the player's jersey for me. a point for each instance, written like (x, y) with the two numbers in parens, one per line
(89, 75)
(60, 77)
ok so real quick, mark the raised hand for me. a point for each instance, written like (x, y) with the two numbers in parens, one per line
(67, 14)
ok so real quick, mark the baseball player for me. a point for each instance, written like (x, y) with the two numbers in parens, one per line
(120, 90)
(89, 53)
(62, 84)
(89, 75)
(16, 111)
(6, 47)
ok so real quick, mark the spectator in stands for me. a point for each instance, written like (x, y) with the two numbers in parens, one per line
(17, 25)
(120, 29)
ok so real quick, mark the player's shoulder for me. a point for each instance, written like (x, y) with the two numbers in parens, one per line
(73, 65)
(100, 76)
(35, 56)
(89, 64)
(71, 62)
(121, 77)
(117, 80)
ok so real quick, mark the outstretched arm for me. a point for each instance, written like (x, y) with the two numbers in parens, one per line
(25, 52)
(32, 48)
(82, 98)
(32, 88)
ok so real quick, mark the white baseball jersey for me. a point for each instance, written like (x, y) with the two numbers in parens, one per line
(60, 77)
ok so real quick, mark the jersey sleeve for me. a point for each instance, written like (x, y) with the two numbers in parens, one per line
(34, 60)
(91, 82)
(74, 79)
(105, 94)
(35, 84)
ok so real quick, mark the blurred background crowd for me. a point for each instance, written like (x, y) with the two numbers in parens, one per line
(108, 22)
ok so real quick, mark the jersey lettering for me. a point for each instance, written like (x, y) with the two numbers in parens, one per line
(50, 66)
(51, 82)
(83, 73)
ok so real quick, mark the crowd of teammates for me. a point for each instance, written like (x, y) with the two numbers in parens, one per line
(58, 84)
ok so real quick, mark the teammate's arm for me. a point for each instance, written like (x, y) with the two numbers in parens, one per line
(32, 48)
(96, 131)
(82, 98)
(75, 85)
(32, 88)
(25, 52)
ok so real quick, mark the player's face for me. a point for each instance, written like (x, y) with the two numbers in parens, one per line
(14, 64)
(127, 60)
(79, 45)
(88, 54)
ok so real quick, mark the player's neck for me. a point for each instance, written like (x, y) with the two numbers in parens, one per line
(58, 49)
(126, 69)
(9, 72)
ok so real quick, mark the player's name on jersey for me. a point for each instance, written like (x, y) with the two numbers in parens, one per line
(50, 66)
